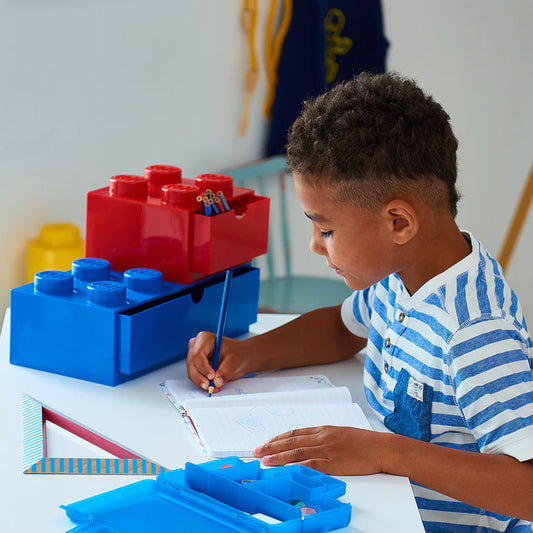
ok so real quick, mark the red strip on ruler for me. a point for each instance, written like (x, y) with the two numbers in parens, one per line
(89, 436)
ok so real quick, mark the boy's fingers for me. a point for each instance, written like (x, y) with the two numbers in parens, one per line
(298, 454)
(224, 371)
(199, 369)
(199, 359)
(202, 366)
(295, 444)
(219, 381)
(291, 435)
(197, 378)
(229, 367)
(202, 344)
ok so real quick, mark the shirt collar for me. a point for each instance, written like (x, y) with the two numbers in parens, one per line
(470, 262)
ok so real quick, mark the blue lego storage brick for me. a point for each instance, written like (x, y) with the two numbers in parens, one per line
(225, 495)
(104, 326)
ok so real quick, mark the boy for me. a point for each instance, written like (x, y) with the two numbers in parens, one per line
(448, 364)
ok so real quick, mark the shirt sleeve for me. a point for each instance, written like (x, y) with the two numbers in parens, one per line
(491, 368)
(356, 311)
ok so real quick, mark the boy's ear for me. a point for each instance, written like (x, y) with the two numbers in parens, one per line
(402, 220)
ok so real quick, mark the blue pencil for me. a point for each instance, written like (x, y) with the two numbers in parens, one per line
(220, 327)
(223, 200)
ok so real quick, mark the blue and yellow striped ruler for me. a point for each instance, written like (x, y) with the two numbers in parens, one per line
(69, 465)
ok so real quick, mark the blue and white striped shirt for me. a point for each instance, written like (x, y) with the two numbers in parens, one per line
(453, 365)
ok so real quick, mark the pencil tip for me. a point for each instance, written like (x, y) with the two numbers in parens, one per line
(210, 391)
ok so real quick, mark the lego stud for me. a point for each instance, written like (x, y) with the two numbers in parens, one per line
(59, 234)
(91, 269)
(159, 175)
(106, 293)
(128, 186)
(180, 195)
(53, 282)
(55, 248)
(216, 182)
(145, 280)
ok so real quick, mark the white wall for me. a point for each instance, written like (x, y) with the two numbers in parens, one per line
(93, 88)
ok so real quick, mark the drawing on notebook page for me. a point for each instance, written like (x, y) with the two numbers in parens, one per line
(323, 380)
(252, 422)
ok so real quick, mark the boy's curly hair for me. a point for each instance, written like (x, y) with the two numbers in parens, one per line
(374, 137)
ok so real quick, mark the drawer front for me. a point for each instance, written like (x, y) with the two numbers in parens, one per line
(159, 334)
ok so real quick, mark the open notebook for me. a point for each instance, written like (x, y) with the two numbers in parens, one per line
(249, 411)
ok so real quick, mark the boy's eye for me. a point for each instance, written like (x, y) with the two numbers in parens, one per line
(325, 234)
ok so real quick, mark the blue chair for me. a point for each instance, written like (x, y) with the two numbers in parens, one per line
(282, 291)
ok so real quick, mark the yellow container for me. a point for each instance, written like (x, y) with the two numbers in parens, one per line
(56, 247)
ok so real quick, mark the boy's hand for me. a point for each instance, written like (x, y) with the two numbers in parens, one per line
(331, 449)
(231, 361)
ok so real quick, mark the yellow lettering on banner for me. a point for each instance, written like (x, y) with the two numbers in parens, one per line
(335, 44)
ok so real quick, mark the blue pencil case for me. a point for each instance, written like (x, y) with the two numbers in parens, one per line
(225, 495)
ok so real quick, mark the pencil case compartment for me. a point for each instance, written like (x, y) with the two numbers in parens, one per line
(289, 486)
(240, 497)
(285, 493)
(311, 492)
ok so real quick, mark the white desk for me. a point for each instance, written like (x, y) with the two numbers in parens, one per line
(139, 417)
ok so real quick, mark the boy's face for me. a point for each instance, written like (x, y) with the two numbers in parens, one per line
(355, 243)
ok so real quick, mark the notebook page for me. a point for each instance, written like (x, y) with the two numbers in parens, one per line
(239, 430)
(292, 397)
(184, 389)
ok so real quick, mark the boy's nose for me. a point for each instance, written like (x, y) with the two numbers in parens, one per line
(315, 244)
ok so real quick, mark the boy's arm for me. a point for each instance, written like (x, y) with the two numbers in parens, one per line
(497, 483)
(314, 338)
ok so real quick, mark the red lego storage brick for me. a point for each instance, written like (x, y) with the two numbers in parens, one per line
(175, 225)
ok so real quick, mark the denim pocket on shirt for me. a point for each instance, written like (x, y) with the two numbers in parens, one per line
(412, 408)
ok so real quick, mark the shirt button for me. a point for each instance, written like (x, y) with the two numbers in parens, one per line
(401, 318)
(386, 368)
(387, 342)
